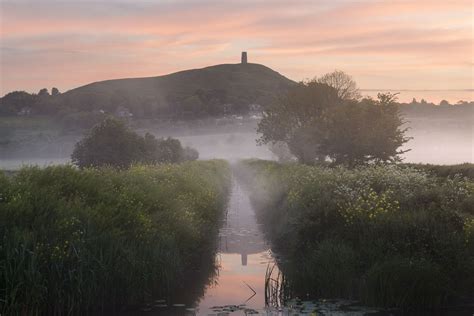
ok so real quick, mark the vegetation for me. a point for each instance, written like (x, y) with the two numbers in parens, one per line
(112, 143)
(210, 91)
(387, 235)
(75, 241)
(444, 171)
(322, 119)
(344, 84)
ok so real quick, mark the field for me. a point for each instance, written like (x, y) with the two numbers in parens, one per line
(76, 241)
(389, 236)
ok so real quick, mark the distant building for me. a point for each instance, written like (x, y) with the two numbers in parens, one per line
(243, 60)
(25, 111)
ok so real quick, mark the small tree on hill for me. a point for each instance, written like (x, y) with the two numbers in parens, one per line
(43, 92)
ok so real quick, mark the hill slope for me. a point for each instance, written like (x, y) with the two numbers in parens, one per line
(207, 90)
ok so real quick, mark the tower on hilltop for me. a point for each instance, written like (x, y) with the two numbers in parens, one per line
(243, 59)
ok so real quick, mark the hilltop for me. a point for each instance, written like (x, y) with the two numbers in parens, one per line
(210, 90)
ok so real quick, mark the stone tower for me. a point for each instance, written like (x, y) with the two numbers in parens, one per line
(243, 59)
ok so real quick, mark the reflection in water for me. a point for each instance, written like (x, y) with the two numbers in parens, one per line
(243, 259)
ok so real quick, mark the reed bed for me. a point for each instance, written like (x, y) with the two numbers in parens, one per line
(390, 236)
(81, 241)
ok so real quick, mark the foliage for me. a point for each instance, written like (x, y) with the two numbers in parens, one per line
(368, 131)
(444, 171)
(74, 241)
(344, 84)
(112, 143)
(321, 119)
(387, 228)
(298, 120)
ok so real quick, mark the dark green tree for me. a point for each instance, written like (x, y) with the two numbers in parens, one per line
(13, 102)
(163, 150)
(299, 120)
(317, 123)
(43, 92)
(110, 143)
(365, 132)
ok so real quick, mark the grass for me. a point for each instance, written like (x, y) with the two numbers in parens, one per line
(78, 241)
(386, 235)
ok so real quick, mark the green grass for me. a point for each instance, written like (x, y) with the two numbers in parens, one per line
(75, 241)
(386, 235)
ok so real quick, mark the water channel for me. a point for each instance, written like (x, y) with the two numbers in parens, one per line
(237, 285)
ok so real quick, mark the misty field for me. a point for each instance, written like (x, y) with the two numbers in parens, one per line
(75, 241)
(389, 236)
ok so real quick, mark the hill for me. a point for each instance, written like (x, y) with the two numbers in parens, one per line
(207, 91)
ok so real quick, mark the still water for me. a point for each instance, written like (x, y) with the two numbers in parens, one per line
(243, 259)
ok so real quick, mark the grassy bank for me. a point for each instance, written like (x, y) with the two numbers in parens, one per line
(387, 235)
(76, 241)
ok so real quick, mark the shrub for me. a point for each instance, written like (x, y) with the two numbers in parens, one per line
(377, 214)
(464, 169)
(403, 282)
(74, 240)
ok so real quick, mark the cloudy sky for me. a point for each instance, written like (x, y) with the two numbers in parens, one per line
(397, 44)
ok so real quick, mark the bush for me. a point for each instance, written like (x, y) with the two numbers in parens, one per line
(402, 282)
(328, 270)
(111, 143)
(376, 214)
(464, 169)
(78, 240)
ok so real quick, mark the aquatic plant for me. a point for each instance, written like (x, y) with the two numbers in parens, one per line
(365, 233)
(76, 241)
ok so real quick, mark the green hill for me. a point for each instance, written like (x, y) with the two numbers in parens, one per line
(207, 91)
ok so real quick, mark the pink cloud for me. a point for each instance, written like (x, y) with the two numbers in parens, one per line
(44, 42)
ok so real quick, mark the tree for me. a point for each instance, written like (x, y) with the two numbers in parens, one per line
(344, 84)
(316, 124)
(55, 91)
(112, 143)
(167, 150)
(298, 119)
(444, 103)
(15, 101)
(364, 132)
(109, 143)
(43, 92)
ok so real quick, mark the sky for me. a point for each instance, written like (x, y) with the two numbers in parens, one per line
(397, 44)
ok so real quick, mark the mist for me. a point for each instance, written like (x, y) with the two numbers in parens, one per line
(435, 141)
